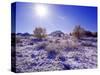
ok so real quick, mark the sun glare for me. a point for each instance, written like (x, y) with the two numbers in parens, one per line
(41, 10)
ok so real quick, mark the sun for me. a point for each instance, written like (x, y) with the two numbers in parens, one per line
(41, 10)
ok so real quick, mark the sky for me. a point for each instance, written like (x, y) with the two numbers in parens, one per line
(54, 17)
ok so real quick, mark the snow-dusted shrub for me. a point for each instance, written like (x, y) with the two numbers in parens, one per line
(39, 32)
(78, 32)
(62, 44)
(56, 46)
(50, 46)
(41, 46)
(72, 42)
(57, 41)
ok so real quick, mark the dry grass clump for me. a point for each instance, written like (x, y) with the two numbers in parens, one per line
(73, 42)
(61, 44)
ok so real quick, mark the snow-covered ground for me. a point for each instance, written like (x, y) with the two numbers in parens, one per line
(54, 53)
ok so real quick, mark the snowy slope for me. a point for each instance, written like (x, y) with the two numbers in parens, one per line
(53, 53)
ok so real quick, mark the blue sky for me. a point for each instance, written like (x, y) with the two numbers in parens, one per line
(58, 17)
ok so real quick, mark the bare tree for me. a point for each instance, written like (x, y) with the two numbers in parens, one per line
(78, 32)
(39, 32)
